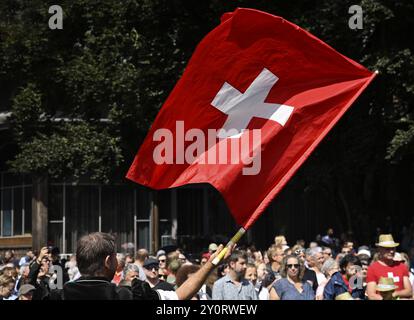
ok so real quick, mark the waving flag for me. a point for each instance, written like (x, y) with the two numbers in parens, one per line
(256, 98)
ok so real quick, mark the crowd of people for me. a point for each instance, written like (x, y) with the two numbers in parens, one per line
(323, 270)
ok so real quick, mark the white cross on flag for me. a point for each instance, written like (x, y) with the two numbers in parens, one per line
(257, 88)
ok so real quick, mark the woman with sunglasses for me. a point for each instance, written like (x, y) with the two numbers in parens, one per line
(292, 286)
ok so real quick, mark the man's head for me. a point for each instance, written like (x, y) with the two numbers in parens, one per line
(151, 267)
(141, 256)
(276, 254)
(386, 248)
(30, 254)
(8, 255)
(314, 257)
(346, 250)
(96, 255)
(330, 232)
(327, 253)
(238, 263)
(131, 271)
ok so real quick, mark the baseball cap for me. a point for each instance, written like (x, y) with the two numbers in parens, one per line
(212, 247)
(25, 289)
(150, 262)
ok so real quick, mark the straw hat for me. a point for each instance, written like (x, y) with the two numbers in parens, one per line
(344, 296)
(386, 284)
(386, 241)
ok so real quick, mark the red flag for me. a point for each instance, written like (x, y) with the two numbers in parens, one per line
(279, 88)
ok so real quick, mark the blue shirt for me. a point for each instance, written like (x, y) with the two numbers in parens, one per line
(287, 290)
(225, 289)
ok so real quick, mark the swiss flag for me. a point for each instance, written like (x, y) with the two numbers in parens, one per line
(255, 72)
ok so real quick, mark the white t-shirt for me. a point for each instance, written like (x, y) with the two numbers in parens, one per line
(167, 295)
(320, 277)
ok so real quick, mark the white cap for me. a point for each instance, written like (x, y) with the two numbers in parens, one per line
(364, 251)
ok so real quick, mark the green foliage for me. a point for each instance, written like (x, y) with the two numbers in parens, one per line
(84, 149)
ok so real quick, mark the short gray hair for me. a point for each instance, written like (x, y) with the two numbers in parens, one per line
(131, 267)
(313, 251)
(328, 265)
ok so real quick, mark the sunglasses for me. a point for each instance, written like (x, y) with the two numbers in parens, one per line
(150, 268)
(161, 260)
(296, 265)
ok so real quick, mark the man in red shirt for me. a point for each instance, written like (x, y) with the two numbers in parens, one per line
(387, 267)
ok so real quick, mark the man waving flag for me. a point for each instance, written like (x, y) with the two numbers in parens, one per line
(256, 98)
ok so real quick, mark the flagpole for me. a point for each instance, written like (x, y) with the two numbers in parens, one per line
(232, 241)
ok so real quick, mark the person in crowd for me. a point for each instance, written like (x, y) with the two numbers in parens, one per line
(97, 263)
(328, 240)
(6, 286)
(326, 253)
(129, 258)
(233, 286)
(299, 251)
(204, 258)
(292, 286)
(119, 273)
(275, 255)
(251, 274)
(280, 240)
(258, 256)
(9, 258)
(364, 270)
(131, 272)
(309, 263)
(162, 271)
(405, 259)
(339, 257)
(26, 292)
(72, 268)
(329, 268)
(313, 244)
(26, 259)
(315, 262)
(345, 280)
(23, 276)
(140, 257)
(55, 260)
(212, 248)
(10, 270)
(151, 267)
(261, 288)
(387, 267)
(173, 266)
(185, 272)
(364, 253)
(346, 250)
(39, 275)
(222, 270)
